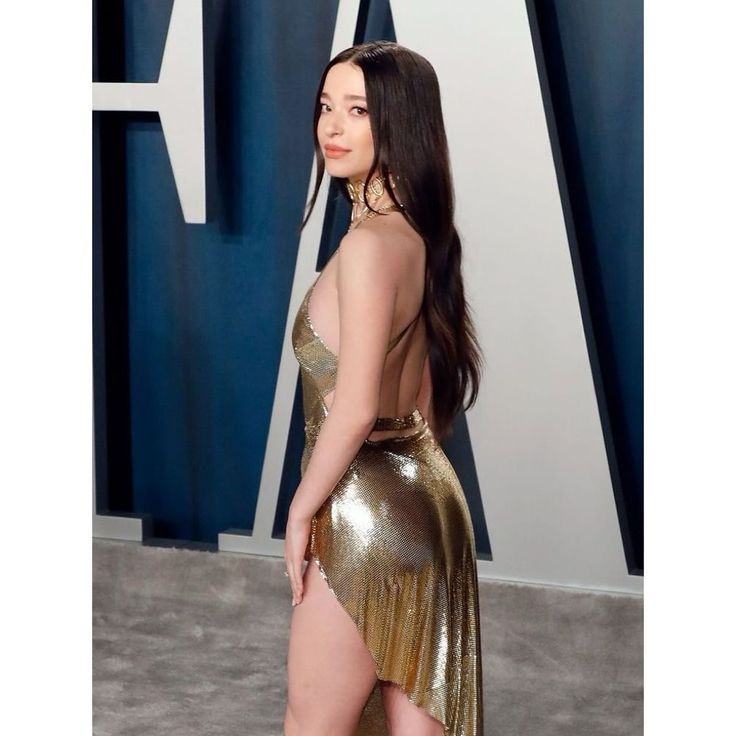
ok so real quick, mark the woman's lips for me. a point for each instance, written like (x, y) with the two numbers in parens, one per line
(335, 151)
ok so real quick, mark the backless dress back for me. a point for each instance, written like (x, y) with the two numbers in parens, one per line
(394, 542)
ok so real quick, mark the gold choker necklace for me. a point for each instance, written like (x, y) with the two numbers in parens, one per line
(376, 187)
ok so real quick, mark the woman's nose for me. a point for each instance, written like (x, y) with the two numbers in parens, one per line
(334, 124)
(334, 127)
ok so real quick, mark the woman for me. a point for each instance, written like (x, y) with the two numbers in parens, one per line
(385, 635)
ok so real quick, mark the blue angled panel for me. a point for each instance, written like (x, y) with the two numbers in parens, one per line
(590, 60)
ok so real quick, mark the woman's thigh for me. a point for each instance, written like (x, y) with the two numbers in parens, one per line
(403, 717)
(330, 671)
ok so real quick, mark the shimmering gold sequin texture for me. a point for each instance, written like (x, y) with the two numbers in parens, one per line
(394, 541)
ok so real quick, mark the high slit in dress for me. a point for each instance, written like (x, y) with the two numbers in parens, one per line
(394, 542)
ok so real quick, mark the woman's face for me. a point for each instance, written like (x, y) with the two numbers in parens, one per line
(344, 123)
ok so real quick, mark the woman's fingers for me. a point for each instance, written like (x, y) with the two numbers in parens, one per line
(297, 583)
(290, 571)
(294, 568)
(296, 544)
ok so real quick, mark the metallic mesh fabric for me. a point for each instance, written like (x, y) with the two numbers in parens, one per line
(394, 542)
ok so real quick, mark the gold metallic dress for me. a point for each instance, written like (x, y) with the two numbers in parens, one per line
(394, 542)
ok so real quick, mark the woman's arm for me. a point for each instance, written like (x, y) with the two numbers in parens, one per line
(367, 283)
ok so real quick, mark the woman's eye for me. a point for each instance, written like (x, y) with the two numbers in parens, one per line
(363, 111)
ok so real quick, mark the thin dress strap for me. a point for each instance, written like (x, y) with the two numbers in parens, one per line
(398, 337)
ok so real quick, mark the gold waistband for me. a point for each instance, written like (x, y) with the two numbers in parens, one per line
(410, 420)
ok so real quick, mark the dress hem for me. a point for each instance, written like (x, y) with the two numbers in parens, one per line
(410, 697)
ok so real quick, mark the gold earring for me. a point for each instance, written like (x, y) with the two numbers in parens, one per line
(392, 181)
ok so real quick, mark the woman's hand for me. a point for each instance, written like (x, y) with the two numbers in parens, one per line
(295, 546)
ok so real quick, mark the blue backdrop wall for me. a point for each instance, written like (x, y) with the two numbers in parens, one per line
(196, 313)
(591, 61)
(189, 319)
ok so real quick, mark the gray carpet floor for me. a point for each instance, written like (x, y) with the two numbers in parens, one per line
(192, 642)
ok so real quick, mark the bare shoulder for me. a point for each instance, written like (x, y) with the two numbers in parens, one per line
(389, 242)
(368, 250)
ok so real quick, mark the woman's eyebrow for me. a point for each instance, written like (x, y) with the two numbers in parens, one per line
(347, 97)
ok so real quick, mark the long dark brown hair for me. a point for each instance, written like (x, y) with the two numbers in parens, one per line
(405, 111)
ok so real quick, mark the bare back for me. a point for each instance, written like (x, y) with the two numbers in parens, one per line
(404, 370)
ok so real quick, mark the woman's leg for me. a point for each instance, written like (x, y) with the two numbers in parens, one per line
(330, 671)
(403, 717)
